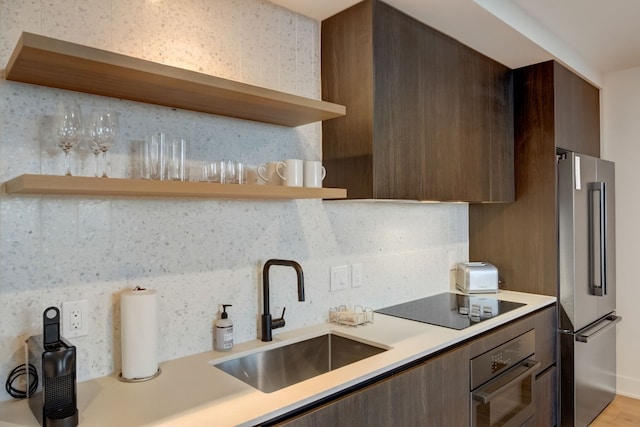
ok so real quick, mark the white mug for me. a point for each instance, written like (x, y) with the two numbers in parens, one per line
(270, 172)
(293, 175)
(314, 173)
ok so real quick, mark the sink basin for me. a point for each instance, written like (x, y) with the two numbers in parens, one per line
(274, 369)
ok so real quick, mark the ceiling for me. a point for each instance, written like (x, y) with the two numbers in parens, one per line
(592, 37)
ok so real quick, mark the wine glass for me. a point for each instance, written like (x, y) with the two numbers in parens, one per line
(95, 149)
(104, 129)
(67, 125)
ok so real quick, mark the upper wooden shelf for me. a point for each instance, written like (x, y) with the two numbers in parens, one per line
(89, 186)
(50, 62)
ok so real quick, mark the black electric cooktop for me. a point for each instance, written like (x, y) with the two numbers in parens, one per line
(451, 310)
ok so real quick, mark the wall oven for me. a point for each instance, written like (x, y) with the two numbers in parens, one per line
(502, 384)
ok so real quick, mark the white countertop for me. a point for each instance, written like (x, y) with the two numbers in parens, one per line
(190, 392)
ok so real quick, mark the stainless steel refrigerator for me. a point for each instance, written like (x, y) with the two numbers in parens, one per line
(587, 287)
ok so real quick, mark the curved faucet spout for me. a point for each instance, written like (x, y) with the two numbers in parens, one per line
(269, 324)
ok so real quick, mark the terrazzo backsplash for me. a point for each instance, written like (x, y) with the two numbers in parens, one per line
(198, 254)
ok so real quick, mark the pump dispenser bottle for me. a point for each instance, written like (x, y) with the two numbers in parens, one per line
(224, 331)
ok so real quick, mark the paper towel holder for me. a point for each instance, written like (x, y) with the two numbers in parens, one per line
(138, 380)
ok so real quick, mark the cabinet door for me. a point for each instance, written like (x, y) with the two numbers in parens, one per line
(546, 398)
(433, 393)
(427, 117)
(577, 112)
(443, 122)
(402, 117)
(347, 75)
(546, 323)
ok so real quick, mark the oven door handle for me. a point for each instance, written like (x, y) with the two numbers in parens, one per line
(493, 389)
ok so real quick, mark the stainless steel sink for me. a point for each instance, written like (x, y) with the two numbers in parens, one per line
(274, 369)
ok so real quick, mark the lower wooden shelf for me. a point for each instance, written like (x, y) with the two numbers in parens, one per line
(90, 186)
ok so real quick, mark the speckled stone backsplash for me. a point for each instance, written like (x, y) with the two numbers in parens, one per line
(198, 254)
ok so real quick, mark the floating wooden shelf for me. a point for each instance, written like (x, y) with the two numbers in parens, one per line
(89, 186)
(50, 62)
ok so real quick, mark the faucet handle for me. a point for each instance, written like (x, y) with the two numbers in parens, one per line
(278, 323)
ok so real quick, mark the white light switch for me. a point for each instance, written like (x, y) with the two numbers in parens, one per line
(339, 278)
(356, 275)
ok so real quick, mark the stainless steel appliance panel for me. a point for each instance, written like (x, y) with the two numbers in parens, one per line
(588, 371)
(587, 286)
(606, 174)
(502, 384)
(507, 401)
(586, 212)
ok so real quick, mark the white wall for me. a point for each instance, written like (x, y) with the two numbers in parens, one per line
(621, 143)
(196, 253)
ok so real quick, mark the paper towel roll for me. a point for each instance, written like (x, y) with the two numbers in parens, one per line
(139, 325)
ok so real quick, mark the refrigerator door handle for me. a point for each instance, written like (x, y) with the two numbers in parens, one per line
(597, 239)
(611, 322)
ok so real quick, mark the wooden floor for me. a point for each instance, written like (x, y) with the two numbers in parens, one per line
(622, 412)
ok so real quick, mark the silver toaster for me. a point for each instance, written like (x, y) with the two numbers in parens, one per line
(477, 277)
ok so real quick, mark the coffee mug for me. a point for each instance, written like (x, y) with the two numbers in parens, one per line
(271, 172)
(314, 173)
(292, 175)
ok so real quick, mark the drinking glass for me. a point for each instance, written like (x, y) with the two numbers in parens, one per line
(234, 172)
(104, 129)
(95, 149)
(178, 162)
(159, 152)
(67, 125)
(217, 172)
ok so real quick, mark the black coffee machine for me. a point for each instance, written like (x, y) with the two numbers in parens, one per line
(54, 359)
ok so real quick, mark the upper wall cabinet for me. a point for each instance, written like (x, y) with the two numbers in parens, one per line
(576, 107)
(429, 118)
(56, 63)
(554, 109)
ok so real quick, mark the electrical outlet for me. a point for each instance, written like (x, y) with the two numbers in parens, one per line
(75, 318)
(356, 275)
(339, 278)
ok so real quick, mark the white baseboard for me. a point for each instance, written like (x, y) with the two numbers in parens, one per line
(629, 387)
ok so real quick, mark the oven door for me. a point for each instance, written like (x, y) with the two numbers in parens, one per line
(507, 400)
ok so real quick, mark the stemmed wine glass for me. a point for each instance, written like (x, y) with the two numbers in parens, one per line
(67, 125)
(104, 129)
(95, 149)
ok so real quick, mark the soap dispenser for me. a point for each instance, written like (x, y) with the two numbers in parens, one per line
(224, 331)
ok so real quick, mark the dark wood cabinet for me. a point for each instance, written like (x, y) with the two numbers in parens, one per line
(577, 112)
(553, 109)
(427, 117)
(546, 398)
(435, 391)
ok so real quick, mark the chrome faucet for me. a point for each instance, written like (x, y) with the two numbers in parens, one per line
(269, 324)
